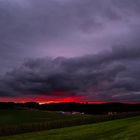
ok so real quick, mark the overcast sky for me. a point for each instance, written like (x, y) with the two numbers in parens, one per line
(87, 48)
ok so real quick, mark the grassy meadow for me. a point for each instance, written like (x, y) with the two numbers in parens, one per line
(17, 117)
(122, 129)
(24, 121)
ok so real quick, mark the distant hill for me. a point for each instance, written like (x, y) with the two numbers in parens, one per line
(78, 107)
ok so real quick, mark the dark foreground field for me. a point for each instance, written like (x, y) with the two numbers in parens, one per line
(18, 117)
(23, 121)
(123, 129)
(20, 121)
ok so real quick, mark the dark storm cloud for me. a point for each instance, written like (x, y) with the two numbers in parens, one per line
(32, 28)
(113, 75)
(66, 32)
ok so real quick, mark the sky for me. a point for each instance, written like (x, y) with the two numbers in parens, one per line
(70, 50)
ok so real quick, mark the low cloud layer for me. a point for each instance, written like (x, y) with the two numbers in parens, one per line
(107, 76)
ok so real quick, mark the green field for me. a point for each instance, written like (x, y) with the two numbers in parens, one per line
(123, 129)
(10, 117)
(22, 121)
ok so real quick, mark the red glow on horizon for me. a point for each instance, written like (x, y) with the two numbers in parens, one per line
(47, 100)
(43, 100)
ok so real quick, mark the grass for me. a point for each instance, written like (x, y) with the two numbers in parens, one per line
(10, 117)
(123, 129)
(23, 121)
